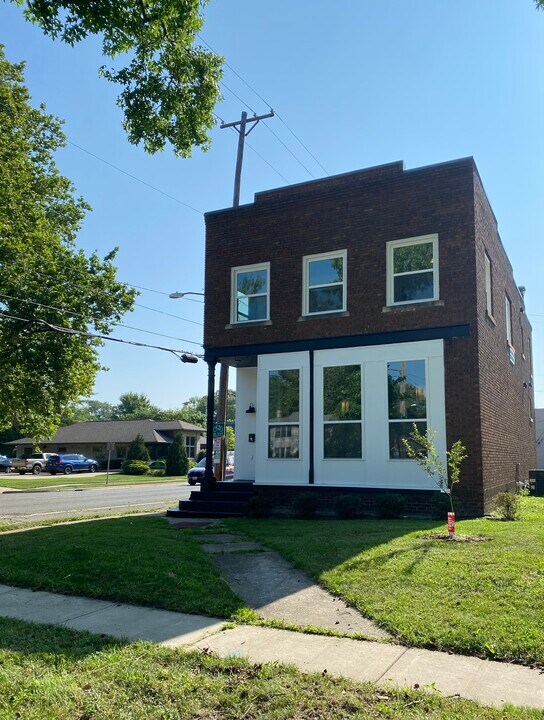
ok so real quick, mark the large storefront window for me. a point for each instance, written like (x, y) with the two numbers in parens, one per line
(283, 413)
(407, 403)
(342, 426)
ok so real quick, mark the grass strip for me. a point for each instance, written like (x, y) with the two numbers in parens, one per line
(70, 482)
(52, 672)
(138, 560)
(484, 599)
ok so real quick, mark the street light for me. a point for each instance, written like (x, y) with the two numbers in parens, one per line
(176, 295)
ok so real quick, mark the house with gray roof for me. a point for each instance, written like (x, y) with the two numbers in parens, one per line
(95, 438)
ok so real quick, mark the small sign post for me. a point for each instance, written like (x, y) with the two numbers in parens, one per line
(110, 448)
(218, 430)
(451, 524)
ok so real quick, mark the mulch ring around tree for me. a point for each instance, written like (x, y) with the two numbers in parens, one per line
(456, 538)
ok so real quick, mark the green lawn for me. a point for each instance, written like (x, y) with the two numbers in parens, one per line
(51, 672)
(65, 482)
(485, 599)
(139, 560)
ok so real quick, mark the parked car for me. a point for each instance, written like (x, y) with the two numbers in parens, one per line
(5, 464)
(196, 474)
(33, 463)
(68, 464)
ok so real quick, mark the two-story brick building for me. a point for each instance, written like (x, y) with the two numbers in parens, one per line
(354, 306)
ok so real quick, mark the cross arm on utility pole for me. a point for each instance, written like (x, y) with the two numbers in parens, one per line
(254, 119)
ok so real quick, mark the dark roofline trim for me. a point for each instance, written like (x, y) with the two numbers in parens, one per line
(387, 338)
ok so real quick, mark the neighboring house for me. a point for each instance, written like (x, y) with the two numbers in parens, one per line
(539, 421)
(93, 438)
(356, 305)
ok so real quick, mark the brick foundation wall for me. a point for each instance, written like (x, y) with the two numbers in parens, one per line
(417, 503)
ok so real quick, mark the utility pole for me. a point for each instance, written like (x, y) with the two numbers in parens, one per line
(241, 127)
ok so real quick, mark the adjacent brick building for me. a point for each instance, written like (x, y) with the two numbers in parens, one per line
(356, 305)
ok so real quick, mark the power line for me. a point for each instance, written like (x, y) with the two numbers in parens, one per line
(116, 324)
(161, 312)
(266, 161)
(266, 103)
(237, 96)
(134, 177)
(182, 355)
(289, 150)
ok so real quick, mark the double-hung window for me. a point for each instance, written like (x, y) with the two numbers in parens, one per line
(407, 398)
(250, 293)
(283, 413)
(412, 270)
(342, 412)
(324, 283)
(190, 445)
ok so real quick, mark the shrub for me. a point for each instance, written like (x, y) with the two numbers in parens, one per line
(201, 455)
(305, 506)
(192, 464)
(507, 506)
(348, 506)
(135, 467)
(137, 450)
(390, 505)
(157, 465)
(259, 507)
(176, 461)
(156, 473)
(440, 506)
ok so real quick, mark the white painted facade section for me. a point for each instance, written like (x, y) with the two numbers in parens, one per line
(374, 468)
(246, 392)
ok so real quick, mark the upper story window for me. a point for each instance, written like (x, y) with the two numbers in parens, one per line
(488, 286)
(412, 270)
(324, 283)
(250, 293)
(508, 314)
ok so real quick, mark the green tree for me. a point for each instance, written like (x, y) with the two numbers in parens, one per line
(44, 278)
(169, 85)
(422, 448)
(87, 411)
(135, 406)
(137, 450)
(199, 404)
(176, 460)
(230, 438)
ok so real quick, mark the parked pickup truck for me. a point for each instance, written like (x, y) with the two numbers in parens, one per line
(34, 463)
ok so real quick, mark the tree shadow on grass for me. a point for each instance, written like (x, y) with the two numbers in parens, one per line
(30, 638)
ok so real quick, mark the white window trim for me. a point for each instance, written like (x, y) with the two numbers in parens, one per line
(488, 284)
(307, 259)
(508, 319)
(420, 240)
(233, 292)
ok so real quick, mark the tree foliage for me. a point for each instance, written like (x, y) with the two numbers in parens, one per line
(43, 277)
(137, 450)
(169, 85)
(176, 461)
(135, 406)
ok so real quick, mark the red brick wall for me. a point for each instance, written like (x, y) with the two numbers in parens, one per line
(508, 435)
(361, 212)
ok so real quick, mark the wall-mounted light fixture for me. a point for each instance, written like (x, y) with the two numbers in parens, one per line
(251, 408)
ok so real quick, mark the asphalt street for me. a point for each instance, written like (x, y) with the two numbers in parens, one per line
(39, 505)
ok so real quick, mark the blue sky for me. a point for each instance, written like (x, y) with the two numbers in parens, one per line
(361, 82)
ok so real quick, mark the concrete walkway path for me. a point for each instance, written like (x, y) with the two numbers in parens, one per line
(488, 682)
(271, 586)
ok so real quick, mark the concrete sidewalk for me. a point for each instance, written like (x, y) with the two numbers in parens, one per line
(487, 682)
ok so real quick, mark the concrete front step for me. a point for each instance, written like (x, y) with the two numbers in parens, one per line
(176, 512)
(218, 495)
(213, 505)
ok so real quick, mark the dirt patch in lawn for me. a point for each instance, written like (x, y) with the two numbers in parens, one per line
(456, 538)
